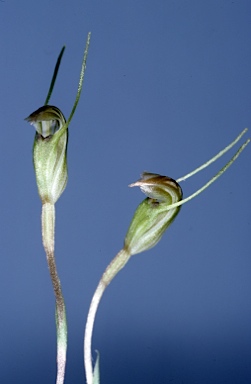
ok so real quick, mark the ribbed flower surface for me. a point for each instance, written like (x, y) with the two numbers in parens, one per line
(152, 216)
(49, 152)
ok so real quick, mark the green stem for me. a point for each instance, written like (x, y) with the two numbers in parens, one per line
(111, 271)
(48, 235)
(54, 77)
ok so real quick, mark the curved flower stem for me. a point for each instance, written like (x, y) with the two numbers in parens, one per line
(111, 271)
(138, 231)
(48, 234)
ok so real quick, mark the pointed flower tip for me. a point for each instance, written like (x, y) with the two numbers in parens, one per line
(157, 186)
(144, 176)
(136, 184)
(47, 120)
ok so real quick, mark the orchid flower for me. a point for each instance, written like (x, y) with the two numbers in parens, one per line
(50, 164)
(152, 217)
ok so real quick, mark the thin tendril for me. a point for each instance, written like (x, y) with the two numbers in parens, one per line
(221, 153)
(81, 79)
(54, 77)
(223, 169)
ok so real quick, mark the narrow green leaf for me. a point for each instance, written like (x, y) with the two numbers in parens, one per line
(54, 77)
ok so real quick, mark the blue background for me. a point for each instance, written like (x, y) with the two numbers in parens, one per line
(168, 84)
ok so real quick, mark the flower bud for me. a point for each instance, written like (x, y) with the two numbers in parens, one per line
(152, 216)
(49, 152)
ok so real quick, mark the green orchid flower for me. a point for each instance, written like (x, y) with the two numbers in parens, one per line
(50, 164)
(152, 217)
(50, 152)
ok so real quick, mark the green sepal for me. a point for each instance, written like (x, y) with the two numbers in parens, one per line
(50, 152)
(152, 217)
